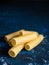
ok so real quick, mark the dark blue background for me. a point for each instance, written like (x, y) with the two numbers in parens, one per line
(30, 16)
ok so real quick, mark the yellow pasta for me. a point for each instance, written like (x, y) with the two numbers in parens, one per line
(14, 51)
(25, 32)
(32, 44)
(10, 36)
(15, 34)
(23, 39)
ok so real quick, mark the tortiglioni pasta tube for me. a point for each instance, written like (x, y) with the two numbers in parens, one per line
(32, 44)
(13, 52)
(25, 32)
(10, 36)
(23, 39)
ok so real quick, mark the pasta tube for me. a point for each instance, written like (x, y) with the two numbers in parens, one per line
(10, 36)
(25, 32)
(23, 39)
(14, 51)
(32, 44)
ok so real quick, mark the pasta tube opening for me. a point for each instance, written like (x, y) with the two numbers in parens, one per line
(27, 47)
(11, 53)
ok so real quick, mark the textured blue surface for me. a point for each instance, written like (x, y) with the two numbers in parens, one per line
(35, 18)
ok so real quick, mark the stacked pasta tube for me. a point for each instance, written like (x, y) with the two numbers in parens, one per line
(23, 39)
